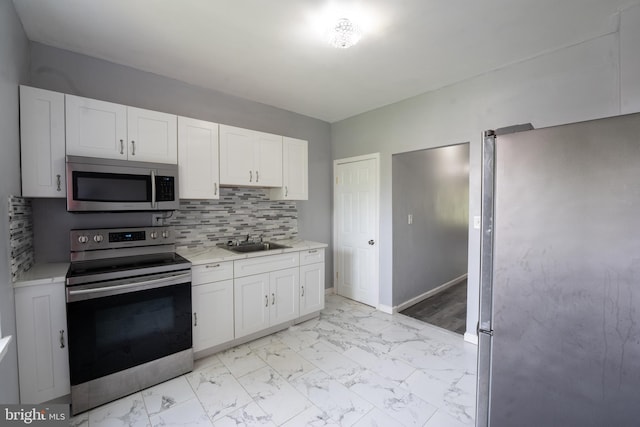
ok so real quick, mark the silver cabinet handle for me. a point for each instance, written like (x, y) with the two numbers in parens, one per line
(273, 299)
(266, 300)
(257, 177)
(61, 338)
(59, 182)
(312, 251)
(121, 146)
(195, 319)
(250, 176)
(286, 191)
(133, 147)
(215, 188)
(302, 292)
(212, 266)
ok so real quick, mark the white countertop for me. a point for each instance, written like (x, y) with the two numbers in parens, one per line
(55, 272)
(206, 255)
(42, 274)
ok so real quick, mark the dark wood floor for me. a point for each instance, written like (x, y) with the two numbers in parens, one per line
(447, 309)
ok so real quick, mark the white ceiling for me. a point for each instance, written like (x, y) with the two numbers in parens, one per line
(273, 51)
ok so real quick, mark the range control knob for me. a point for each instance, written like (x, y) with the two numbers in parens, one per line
(83, 239)
(98, 238)
(165, 234)
(153, 234)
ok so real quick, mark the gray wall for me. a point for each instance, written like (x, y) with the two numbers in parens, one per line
(596, 78)
(433, 186)
(67, 72)
(14, 57)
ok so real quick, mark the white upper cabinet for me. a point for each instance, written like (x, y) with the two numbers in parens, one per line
(269, 160)
(198, 159)
(250, 158)
(295, 171)
(152, 136)
(113, 131)
(96, 128)
(42, 143)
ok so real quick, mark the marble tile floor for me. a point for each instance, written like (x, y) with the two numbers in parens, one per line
(352, 366)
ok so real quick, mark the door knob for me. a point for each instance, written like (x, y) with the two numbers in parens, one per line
(372, 242)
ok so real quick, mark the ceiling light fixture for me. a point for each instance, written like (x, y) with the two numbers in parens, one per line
(344, 34)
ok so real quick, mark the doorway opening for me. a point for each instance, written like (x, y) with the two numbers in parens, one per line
(430, 234)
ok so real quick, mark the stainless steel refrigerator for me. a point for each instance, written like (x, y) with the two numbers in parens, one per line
(559, 330)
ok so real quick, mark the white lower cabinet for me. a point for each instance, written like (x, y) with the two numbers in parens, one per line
(265, 300)
(235, 299)
(311, 288)
(43, 356)
(251, 304)
(284, 291)
(212, 304)
(311, 281)
(212, 314)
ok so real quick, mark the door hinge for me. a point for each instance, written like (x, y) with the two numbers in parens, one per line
(336, 180)
(336, 275)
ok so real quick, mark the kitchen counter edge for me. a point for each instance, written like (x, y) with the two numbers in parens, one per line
(42, 274)
(200, 256)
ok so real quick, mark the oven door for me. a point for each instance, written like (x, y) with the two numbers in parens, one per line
(120, 324)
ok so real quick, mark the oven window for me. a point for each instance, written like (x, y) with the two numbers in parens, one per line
(110, 334)
(110, 187)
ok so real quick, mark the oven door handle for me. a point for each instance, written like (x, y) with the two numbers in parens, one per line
(91, 293)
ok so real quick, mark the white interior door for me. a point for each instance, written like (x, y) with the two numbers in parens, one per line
(356, 228)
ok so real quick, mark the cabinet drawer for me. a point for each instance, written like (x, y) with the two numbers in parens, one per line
(247, 267)
(311, 256)
(213, 272)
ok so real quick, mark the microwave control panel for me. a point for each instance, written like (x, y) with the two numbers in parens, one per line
(165, 186)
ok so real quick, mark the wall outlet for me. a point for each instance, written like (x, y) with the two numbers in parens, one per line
(476, 222)
(410, 219)
(157, 219)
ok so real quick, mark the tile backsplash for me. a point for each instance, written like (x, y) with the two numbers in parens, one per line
(238, 212)
(20, 235)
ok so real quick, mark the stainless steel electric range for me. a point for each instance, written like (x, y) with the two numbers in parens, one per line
(128, 313)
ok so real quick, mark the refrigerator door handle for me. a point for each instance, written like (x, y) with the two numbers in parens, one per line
(486, 229)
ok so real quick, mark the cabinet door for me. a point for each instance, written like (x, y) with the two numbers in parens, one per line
(284, 296)
(42, 143)
(269, 160)
(41, 329)
(212, 314)
(152, 136)
(198, 159)
(295, 171)
(95, 128)
(311, 288)
(251, 303)
(237, 156)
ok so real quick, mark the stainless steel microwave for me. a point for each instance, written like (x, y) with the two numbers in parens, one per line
(111, 185)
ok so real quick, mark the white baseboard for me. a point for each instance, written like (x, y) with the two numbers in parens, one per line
(428, 294)
(471, 338)
(386, 309)
(329, 291)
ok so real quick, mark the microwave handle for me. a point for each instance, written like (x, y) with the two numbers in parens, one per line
(153, 189)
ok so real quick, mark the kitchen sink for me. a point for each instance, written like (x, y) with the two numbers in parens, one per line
(254, 247)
